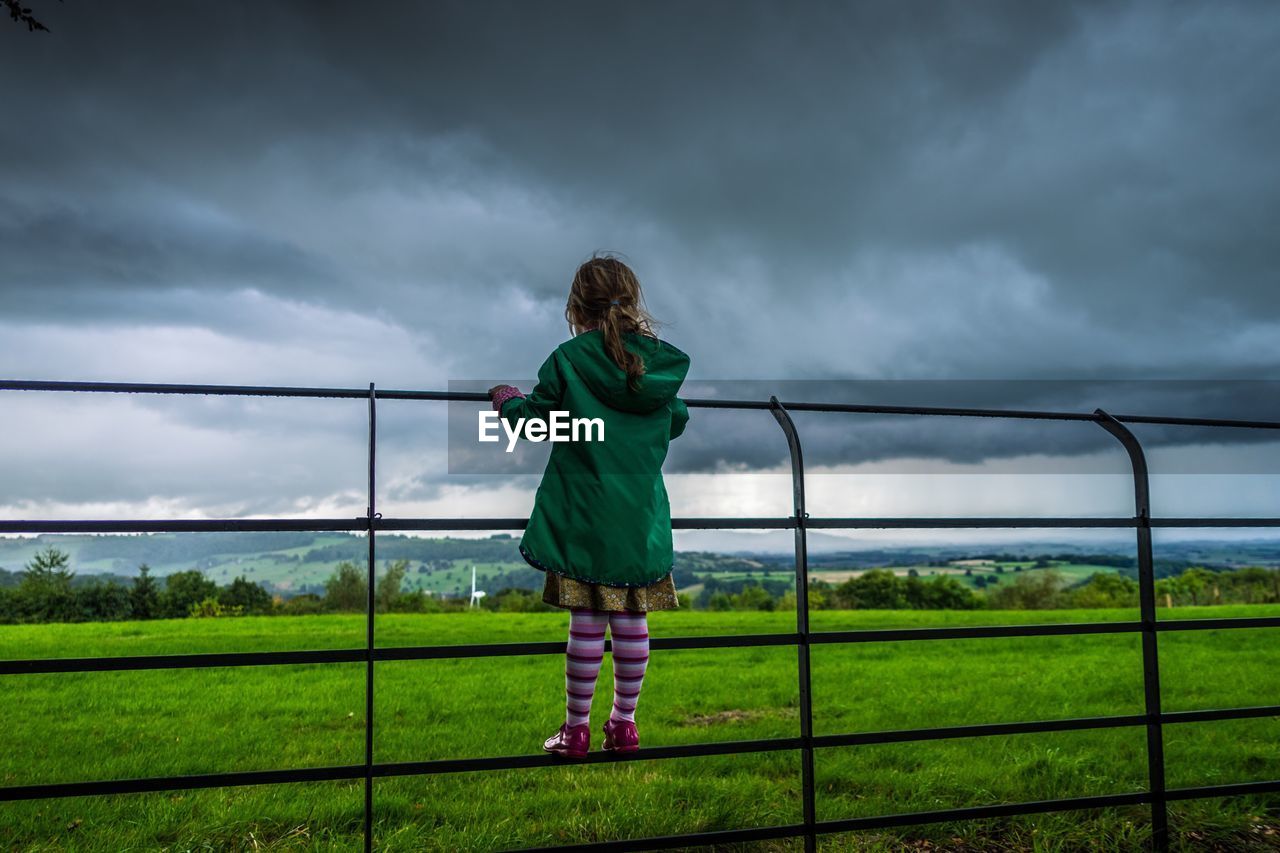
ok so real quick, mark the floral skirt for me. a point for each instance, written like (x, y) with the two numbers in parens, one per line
(569, 592)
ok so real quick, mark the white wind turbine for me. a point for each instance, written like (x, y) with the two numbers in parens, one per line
(476, 594)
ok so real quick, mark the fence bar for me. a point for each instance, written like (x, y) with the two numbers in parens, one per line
(178, 783)
(1234, 789)
(1209, 715)
(175, 388)
(193, 525)
(1209, 624)
(669, 842)
(478, 397)
(360, 771)
(980, 730)
(1147, 610)
(802, 619)
(195, 661)
(198, 525)
(369, 628)
(723, 641)
(542, 759)
(709, 523)
(479, 650)
(917, 523)
(856, 824)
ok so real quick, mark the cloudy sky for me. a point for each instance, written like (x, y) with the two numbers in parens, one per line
(1000, 204)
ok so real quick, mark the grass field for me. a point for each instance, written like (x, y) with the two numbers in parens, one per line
(116, 725)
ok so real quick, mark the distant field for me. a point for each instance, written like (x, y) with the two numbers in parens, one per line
(1005, 571)
(130, 724)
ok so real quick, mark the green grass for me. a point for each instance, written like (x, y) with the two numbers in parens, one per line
(128, 724)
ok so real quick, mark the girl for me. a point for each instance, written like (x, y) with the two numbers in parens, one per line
(601, 525)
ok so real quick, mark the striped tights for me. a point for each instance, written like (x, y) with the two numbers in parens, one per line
(585, 652)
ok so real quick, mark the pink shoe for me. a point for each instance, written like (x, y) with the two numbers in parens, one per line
(570, 741)
(621, 736)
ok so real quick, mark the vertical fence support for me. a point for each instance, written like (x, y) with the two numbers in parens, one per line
(802, 621)
(1147, 615)
(368, 670)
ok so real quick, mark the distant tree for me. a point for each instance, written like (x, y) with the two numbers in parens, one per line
(103, 602)
(1252, 584)
(44, 594)
(913, 573)
(184, 589)
(754, 598)
(415, 601)
(1039, 591)
(1105, 589)
(1040, 563)
(389, 585)
(720, 601)
(346, 589)
(9, 609)
(306, 604)
(946, 593)
(247, 595)
(819, 597)
(144, 597)
(877, 589)
(1194, 581)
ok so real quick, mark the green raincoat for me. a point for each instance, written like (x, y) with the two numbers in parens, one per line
(601, 513)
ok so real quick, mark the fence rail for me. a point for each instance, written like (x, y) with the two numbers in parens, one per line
(1153, 719)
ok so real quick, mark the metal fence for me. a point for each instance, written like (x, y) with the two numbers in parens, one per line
(1153, 719)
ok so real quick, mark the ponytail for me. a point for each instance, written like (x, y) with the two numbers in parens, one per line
(616, 322)
(606, 293)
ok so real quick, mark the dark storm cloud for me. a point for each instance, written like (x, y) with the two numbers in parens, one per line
(1111, 147)
(810, 191)
(155, 264)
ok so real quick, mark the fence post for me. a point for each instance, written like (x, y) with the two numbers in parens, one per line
(802, 620)
(369, 616)
(1147, 613)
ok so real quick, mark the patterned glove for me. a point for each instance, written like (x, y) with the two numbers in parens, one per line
(502, 394)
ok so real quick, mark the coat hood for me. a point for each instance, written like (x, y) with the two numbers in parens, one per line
(665, 370)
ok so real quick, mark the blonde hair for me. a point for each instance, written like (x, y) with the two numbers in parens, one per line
(606, 294)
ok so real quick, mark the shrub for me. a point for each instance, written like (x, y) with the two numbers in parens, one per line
(211, 608)
(182, 590)
(306, 604)
(1039, 591)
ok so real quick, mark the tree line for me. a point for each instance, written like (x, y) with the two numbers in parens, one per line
(882, 589)
(47, 591)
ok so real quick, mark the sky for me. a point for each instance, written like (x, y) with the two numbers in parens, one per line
(1053, 206)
